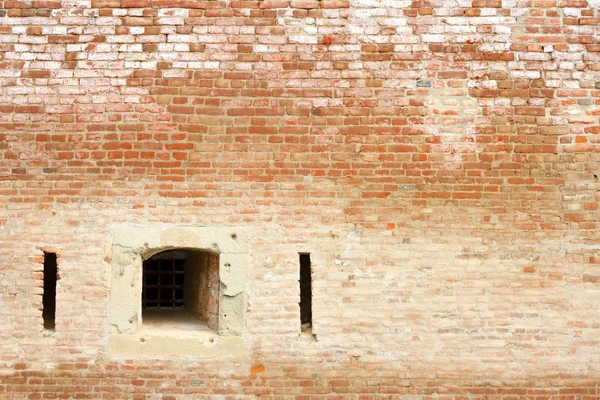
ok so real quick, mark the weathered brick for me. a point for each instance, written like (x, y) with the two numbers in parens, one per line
(439, 162)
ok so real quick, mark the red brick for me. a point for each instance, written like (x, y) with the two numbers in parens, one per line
(444, 182)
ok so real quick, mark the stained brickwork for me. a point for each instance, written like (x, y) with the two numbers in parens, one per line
(439, 160)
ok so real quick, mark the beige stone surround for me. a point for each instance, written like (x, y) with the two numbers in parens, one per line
(129, 337)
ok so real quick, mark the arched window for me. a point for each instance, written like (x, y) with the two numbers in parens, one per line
(178, 291)
(179, 286)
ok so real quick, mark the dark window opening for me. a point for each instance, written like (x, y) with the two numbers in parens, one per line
(49, 295)
(180, 286)
(305, 291)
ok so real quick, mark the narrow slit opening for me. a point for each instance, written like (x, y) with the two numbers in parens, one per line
(305, 292)
(49, 296)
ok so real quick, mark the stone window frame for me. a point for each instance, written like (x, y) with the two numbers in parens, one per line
(131, 245)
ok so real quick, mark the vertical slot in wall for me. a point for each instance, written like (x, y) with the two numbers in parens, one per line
(305, 290)
(49, 296)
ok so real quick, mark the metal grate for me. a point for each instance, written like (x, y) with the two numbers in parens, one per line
(163, 283)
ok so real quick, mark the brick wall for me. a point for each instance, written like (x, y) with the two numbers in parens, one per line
(438, 160)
